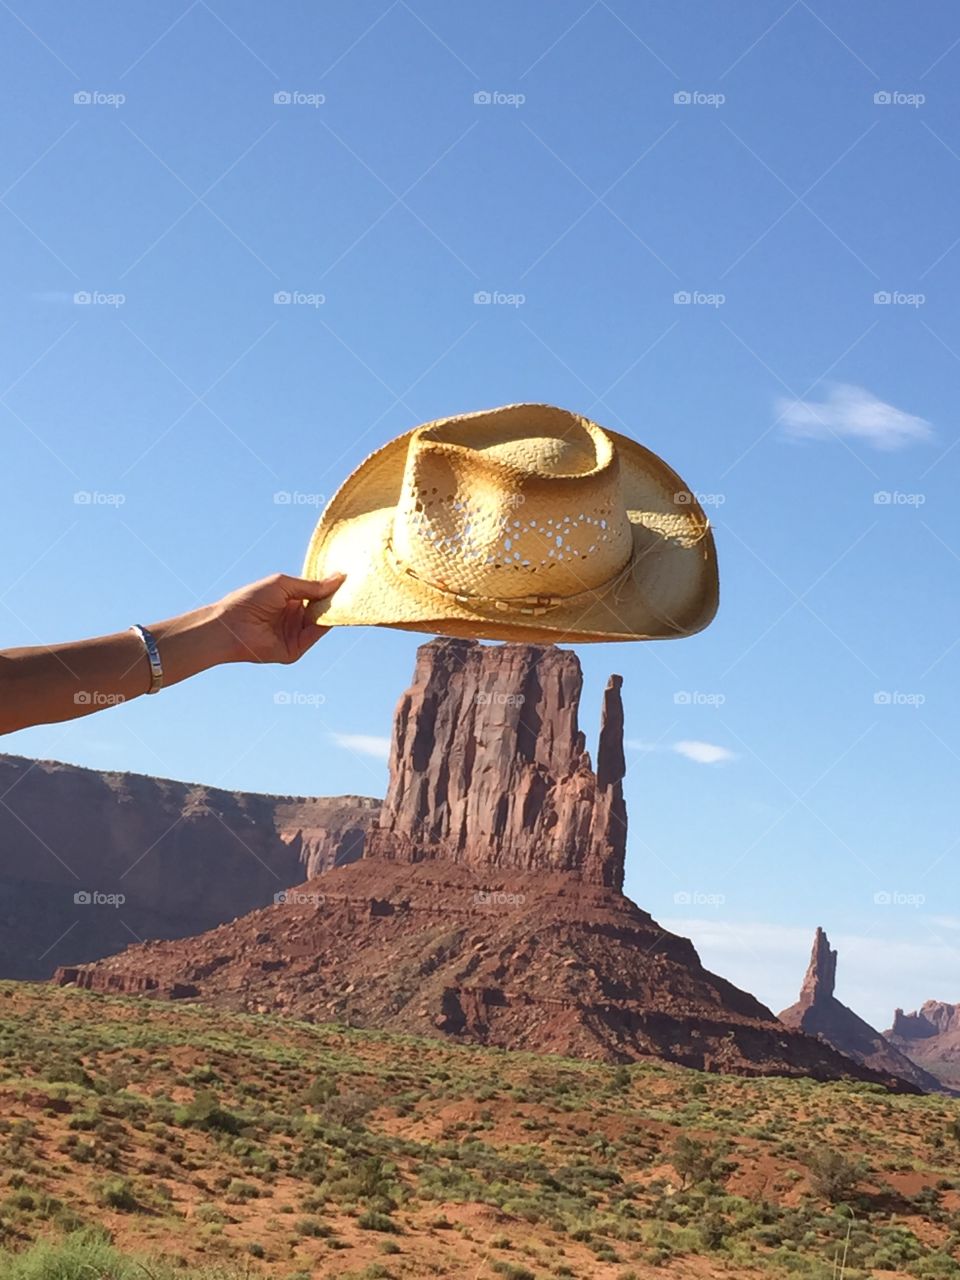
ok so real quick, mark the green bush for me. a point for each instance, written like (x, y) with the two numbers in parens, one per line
(371, 1220)
(117, 1193)
(205, 1112)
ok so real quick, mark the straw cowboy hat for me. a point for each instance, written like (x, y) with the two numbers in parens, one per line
(525, 523)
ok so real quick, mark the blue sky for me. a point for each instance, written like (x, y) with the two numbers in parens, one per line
(786, 168)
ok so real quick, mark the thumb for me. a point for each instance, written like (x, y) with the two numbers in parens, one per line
(311, 588)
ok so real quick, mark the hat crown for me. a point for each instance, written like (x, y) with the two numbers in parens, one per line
(512, 503)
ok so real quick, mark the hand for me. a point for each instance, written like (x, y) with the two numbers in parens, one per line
(268, 621)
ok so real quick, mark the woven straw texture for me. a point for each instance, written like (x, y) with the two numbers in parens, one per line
(524, 523)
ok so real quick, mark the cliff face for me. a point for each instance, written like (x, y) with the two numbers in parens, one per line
(489, 766)
(819, 1013)
(931, 1036)
(182, 857)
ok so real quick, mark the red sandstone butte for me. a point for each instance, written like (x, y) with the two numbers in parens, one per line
(489, 766)
(931, 1037)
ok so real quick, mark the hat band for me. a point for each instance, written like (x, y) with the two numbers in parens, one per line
(533, 605)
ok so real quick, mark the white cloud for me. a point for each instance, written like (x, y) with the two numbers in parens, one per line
(364, 744)
(853, 413)
(703, 752)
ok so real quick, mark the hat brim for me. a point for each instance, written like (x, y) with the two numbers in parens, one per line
(671, 590)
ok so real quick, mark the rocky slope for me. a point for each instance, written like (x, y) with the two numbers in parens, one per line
(487, 905)
(931, 1037)
(182, 857)
(819, 1013)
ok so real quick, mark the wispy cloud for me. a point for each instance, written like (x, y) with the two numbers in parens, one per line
(364, 744)
(703, 752)
(689, 748)
(853, 413)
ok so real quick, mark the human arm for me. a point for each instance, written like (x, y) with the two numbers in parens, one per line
(264, 622)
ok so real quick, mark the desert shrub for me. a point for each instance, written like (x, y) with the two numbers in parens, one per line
(312, 1227)
(371, 1220)
(205, 1112)
(89, 1255)
(696, 1162)
(117, 1193)
(512, 1271)
(832, 1176)
(713, 1229)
